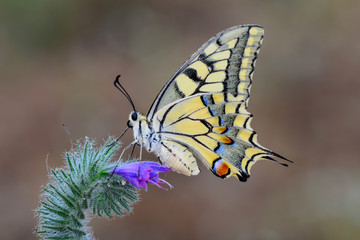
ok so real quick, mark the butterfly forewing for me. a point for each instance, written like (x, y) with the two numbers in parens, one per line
(225, 63)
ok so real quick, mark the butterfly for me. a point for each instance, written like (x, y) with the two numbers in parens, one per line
(201, 112)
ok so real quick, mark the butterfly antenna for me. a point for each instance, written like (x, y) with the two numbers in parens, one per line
(123, 91)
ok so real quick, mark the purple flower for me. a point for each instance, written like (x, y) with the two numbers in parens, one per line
(140, 174)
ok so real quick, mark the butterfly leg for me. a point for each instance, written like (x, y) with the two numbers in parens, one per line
(122, 153)
(141, 148)
(132, 151)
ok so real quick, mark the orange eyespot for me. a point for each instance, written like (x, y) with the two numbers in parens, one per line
(221, 168)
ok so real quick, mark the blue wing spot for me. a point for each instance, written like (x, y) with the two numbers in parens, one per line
(204, 100)
(220, 149)
(211, 112)
(221, 122)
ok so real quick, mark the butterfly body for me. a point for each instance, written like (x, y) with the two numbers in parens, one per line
(169, 152)
(202, 110)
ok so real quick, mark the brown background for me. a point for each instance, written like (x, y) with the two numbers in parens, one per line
(57, 63)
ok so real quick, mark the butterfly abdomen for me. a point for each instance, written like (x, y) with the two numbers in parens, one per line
(177, 157)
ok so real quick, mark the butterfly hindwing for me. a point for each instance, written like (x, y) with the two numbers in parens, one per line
(217, 130)
(225, 63)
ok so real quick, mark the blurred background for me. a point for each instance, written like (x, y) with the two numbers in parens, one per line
(58, 60)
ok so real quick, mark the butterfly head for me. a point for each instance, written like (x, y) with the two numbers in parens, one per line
(141, 129)
(133, 119)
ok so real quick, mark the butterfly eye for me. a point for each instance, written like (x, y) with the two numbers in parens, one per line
(134, 116)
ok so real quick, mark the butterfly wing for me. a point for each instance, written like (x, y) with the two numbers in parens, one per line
(203, 108)
(225, 63)
(217, 130)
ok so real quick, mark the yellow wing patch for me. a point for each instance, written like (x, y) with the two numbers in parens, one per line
(220, 65)
(212, 87)
(185, 84)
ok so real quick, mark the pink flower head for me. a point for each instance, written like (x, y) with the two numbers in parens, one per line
(140, 174)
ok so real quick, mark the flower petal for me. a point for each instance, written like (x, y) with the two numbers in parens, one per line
(140, 174)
